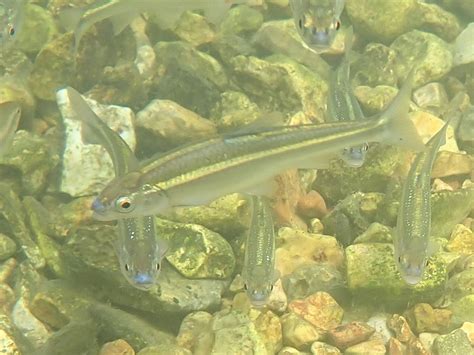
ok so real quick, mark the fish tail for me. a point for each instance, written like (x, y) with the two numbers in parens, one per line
(400, 130)
(69, 19)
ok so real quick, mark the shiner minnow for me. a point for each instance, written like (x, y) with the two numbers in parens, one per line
(139, 251)
(412, 245)
(10, 113)
(200, 172)
(122, 12)
(11, 18)
(317, 21)
(343, 105)
(258, 271)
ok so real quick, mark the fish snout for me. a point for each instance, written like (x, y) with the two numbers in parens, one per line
(412, 279)
(143, 280)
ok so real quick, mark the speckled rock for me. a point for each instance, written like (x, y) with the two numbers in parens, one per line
(436, 63)
(463, 311)
(269, 327)
(195, 333)
(164, 124)
(234, 110)
(376, 233)
(299, 333)
(349, 334)
(424, 318)
(375, 66)
(117, 347)
(460, 285)
(194, 29)
(373, 100)
(372, 275)
(298, 248)
(288, 350)
(241, 19)
(454, 343)
(90, 161)
(320, 348)
(395, 347)
(374, 347)
(7, 247)
(320, 309)
(435, 19)
(379, 323)
(463, 46)
(462, 240)
(399, 325)
(278, 301)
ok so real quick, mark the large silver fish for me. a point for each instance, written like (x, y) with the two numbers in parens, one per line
(10, 113)
(200, 172)
(122, 12)
(139, 251)
(11, 17)
(258, 271)
(412, 244)
(343, 105)
(317, 21)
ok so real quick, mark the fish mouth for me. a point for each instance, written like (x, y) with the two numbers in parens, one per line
(412, 280)
(143, 281)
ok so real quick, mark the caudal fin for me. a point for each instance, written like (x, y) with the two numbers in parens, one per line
(70, 17)
(400, 130)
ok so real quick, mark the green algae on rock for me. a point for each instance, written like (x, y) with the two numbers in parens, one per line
(455, 342)
(241, 19)
(376, 233)
(375, 66)
(195, 333)
(194, 29)
(374, 100)
(298, 332)
(7, 247)
(424, 318)
(463, 311)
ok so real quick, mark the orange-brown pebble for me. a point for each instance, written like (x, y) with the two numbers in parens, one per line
(117, 347)
(312, 205)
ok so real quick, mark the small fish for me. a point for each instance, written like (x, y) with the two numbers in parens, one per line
(10, 113)
(200, 172)
(11, 17)
(258, 271)
(139, 252)
(343, 105)
(122, 12)
(412, 236)
(317, 21)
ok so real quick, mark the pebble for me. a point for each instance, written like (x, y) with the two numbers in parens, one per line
(195, 333)
(427, 339)
(400, 326)
(454, 343)
(312, 205)
(427, 125)
(7, 247)
(451, 164)
(424, 318)
(461, 240)
(431, 97)
(320, 348)
(6, 269)
(395, 347)
(372, 347)
(299, 333)
(464, 46)
(288, 350)
(30, 327)
(117, 347)
(349, 334)
(269, 327)
(379, 323)
(468, 328)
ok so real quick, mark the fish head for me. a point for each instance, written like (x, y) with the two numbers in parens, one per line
(412, 266)
(10, 19)
(126, 197)
(355, 156)
(258, 294)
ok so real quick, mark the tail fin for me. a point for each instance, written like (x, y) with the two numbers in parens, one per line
(69, 18)
(400, 130)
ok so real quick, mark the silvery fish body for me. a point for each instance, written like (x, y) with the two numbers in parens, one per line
(343, 105)
(317, 21)
(412, 235)
(11, 17)
(200, 172)
(139, 251)
(258, 271)
(10, 113)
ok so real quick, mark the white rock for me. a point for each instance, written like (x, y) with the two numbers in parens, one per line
(88, 167)
(464, 46)
(379, 323)
(35, 331)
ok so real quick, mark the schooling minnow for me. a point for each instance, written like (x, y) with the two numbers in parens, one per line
(412, 236)
(258, 271)
(139, 251)
(11, 17)
(122, 12)
(200, 172)
(10, 113)
(317, 21)
(343, 105)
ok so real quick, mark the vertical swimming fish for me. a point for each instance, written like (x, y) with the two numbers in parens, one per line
(317, 21)
(343, 105)
(11, 17)
(412, 236)
(139, 252)
(258, 271)
(10, 113)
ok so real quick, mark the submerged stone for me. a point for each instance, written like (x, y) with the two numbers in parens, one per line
(455, 342)
(462, 240)
(298, 332)
(435, 19)
(375, 66)
(350, 334)
(7, 247)
(194, 29)
(424, 318)
(241, 19)
(463, 311)
(195, 333)
(320, 348)
(374, 100)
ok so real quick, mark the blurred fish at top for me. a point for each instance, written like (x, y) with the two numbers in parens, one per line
(122, 12)
(10, 113)
(11, 17)
(317, 21)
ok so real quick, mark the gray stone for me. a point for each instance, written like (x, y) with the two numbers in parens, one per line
(433, 18)
(464, 46)
(454, 343)
(241, 19)
(376, 233)
(431, 97)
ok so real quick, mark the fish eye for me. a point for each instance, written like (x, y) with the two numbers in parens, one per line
(365, 147)
(426, 262)
(271, 287)
(11, 30)
(300, 23)
(127, 268)
(246, 287)
(337, 25)
(157, 267)
(124, 204)
(399, 259)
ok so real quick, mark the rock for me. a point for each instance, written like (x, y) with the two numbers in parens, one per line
(312, 205)
(374, 347)
(6, 269)
(288, 350)
(164, 349)
(235, 333)
(230, 46)
(117, 347)
(309, 279)
(269, 327)
(375, 66)
(8, 343)
(7, 247)
(376, 233)
(455, 342)
(427, 340)
(372, 274)
(468, 328)
(427, 125)
(374, 100)
(460, 285)
(179, 63)
(320, 348)
(462, 240)
(315, 226)
(320, 309)
(399, 325)
(299, 333)
(15, 64)
(381, 21)
(451, 164)
(431, 97)
(423, 318)
(297, 248)
(435, 19)
(90, 161)
(277, 302)
(436, 63)
(241, 19)
(464, 46)
(235, 110)
(349, 334)
(195, 333)
(463, 311)
(7, 299)
(194, 29)
(395, 347)
(303, 89)
(164, 124)
(13, 88)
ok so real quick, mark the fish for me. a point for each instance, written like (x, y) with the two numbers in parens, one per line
(11, 19)
(412, 245)
(343, 105)
(139, 251)
(200, 172)
(10, 113)
(258, 272)
(317, 21)
(122, 12)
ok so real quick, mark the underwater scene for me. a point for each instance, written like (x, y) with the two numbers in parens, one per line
(233, 177)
